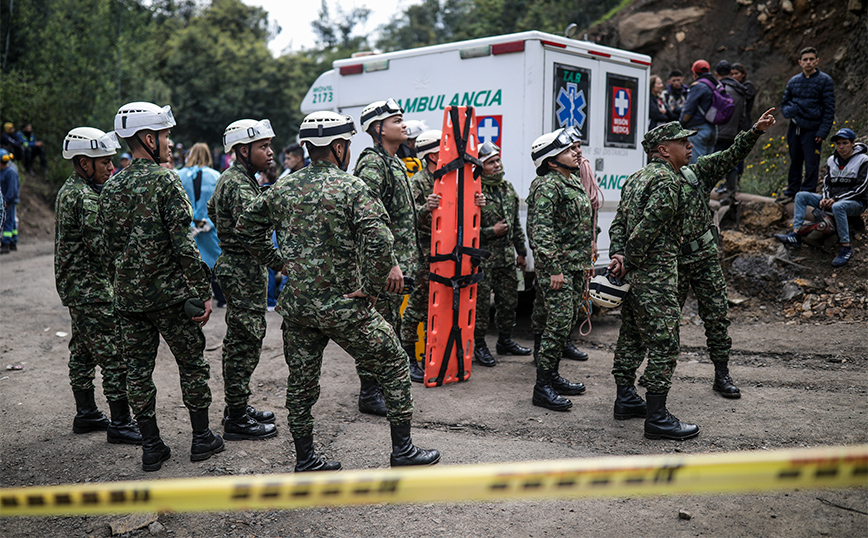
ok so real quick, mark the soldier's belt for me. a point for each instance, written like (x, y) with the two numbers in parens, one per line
(667, 474)
(699, 243)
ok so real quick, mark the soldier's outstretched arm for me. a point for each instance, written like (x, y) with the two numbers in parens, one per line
(711, 168)
(254, 228)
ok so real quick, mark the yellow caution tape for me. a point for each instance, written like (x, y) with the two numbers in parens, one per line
(593, 477)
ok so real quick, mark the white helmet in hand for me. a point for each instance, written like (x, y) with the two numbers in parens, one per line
(246, 132)
(607, 291)
(138, 116)
(89, 142)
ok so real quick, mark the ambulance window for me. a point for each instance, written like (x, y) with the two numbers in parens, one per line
(572, 95)
(621, 108)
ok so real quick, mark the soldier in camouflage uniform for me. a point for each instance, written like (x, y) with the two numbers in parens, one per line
(560, 229)
(145, 215)
(336, 246)
(83, 284)
(646, 240)
(243, 280)
(386, 177)
(428, 150)
(502, 235)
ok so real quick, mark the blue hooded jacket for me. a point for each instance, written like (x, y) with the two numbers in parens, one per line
(809, 102)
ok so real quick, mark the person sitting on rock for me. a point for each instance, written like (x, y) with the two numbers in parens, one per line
(845, 193)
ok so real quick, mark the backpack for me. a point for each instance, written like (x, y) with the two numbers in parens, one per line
(722, 105)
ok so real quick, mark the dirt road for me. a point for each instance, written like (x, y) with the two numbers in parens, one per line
(803, 386)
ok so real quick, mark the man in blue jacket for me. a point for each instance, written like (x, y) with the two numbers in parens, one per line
(699, 100)
(809, 104)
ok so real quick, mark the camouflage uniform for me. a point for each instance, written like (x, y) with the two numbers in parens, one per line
(501, 203)
(244, 283)
(701, 269)
(560, 229)
(145, 215)
(334, 239)
(387, 181)
(82, 281)
(417, 306)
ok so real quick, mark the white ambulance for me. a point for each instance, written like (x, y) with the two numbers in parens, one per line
(522, 85)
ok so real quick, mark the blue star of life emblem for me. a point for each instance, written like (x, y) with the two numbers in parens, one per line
(571, 106)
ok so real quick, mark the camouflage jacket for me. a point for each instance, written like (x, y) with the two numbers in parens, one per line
(334, 239)
(144, 216)
(80, 273)
(647, 226)
(501, 202)
(394, 192)
(423, 185)
(698, 180)
(559, 224)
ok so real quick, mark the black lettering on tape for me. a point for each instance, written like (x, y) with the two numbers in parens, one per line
(35, 500)
(271, 491)
(62, 499)
(241, 491)
(566, 482)
(826, 473)
(363, 488)
(90, 497)
(532, 484)
(860, 471)
(601, 481)
(9, 501)
(499, 486)
(141, 495)
(789, 474)
(117, 496)
(666, 474)
(302, 490)
(638, 479)
(389, 486)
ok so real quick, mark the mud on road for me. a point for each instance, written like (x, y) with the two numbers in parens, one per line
(803, 385)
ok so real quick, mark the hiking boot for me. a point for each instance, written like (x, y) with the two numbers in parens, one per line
(154, 450)
(564, 387)
(661, 424)
(417, 374)
(122, 429)
(791, 239)
(723, 382)
(405, 453)
(482, 355)
(87, 417)
(844, 255)
(4, 248)
(573, 353)
(265, 417)
(371, 399)
(205, 443)
(544, 394)
(239, 425)
(628, 404)
(307, 460)
(785, 199)
(506, 346)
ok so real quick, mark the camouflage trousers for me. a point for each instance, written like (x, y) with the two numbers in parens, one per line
(139, 338)
(559, 312)
(370, 341)
(539, 312)
(649, 326)
(504, 282)
(389, 308)
(93, 342)
(416, 311)
(705, 276)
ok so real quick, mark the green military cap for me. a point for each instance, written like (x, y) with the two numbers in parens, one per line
(664, 133)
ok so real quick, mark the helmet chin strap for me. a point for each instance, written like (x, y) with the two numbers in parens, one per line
(154, 156)
(82, 173)
(246, 162)
(342, 161)
(562, 165)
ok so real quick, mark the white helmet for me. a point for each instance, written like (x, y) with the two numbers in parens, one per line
(428, 142)
(607, 291)
(245, 132)
(134, 117)
(379, 110)
(488, 150)
(323, 127)
(90, 142)
(549, 145)
(415, 128)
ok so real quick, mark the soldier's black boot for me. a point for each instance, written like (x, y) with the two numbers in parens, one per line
(405, 453)
(723, 381)
(482, 355)
(544, 394)
(205, 443)
(87, 417)
(564, 387)
(628, 404)
(307, 460)
(265, 417)
(371, 400)
(507, 346)
(122, 429)
(417, 375)
(239, 425)
(661, 424)
(154, 450)
(537, 342)
(573, 353)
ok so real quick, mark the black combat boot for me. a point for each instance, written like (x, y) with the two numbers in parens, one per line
(482, 355)
(544, 394)
(506, 346)
(87, 417)
(371, 400)
(405, 453)
(537, 342)
(265, 417)
(306, 460)
(628, 404)
(154, 450)
(564, 387)
(205, 443)
(573, 353)
(660, 424)
(122, 429)
(239, 425)
(417, 375)
(723, 381)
